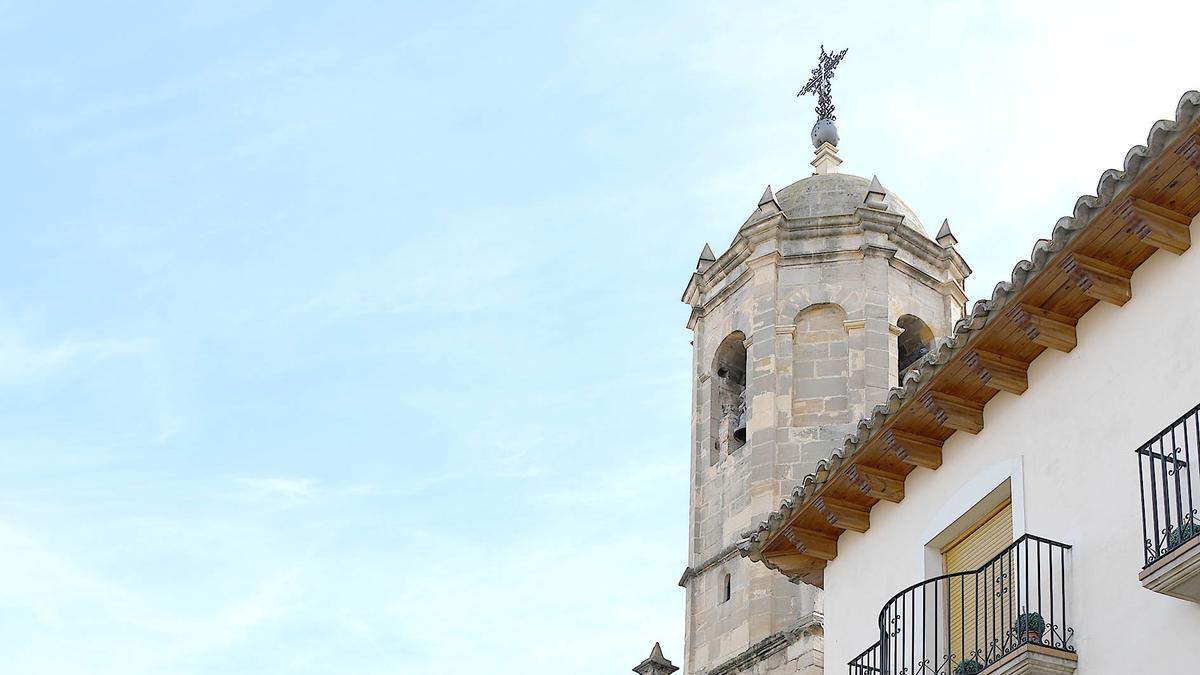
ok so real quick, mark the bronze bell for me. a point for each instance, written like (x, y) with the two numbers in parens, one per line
(739, 431)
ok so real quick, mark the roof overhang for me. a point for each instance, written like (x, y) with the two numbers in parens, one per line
(1088, 259)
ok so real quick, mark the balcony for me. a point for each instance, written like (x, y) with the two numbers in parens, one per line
(1008, 616)
(1168, 468)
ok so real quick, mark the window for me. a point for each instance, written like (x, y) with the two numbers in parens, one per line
(727, 588)
(969, 552)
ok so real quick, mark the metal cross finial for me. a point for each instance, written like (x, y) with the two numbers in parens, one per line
(820, 85)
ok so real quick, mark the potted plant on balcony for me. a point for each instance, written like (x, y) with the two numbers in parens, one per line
(968, 667)
(1030, 627)
(1182, 533)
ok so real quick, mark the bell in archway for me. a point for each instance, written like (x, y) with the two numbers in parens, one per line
(739, 429)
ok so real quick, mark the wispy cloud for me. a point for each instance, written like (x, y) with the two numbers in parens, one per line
(236, 621)
(24, 359)
(278, 490)
(50, 587)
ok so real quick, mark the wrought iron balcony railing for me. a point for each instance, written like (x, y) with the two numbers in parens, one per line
(1168, 467)
(866, 663)
(958, 624)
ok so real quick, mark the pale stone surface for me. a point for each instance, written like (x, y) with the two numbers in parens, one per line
(797, 649)
(827, 160)
(813, 287)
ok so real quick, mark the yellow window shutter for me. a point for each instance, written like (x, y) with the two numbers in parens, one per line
(973, 613)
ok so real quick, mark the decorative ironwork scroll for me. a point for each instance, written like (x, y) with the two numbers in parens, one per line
(820, 83)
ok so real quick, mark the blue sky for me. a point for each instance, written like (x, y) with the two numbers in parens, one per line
(346, 338)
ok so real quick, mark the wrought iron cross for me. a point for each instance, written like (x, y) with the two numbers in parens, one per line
(819, 83)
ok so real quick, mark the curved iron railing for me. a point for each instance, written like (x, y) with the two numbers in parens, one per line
(958, 624)
(1168, 468)
(866, 663)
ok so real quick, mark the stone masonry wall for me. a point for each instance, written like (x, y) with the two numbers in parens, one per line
(819, 319)
(821, 366)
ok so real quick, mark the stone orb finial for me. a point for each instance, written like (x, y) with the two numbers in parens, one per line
(824, 131)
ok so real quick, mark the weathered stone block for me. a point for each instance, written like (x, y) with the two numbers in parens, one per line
(833, 368)
(836, 403)
(820, 387)
(812, 352)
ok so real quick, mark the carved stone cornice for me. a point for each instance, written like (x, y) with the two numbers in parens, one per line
(875, 250)
(812, 624)
(783, 227)
(725, 554)
(726, 290)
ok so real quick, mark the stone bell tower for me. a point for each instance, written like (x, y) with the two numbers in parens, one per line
(827, 293)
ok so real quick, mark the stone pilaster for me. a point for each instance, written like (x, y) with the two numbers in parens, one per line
(762, 383)
(879, 373)
(857, 382)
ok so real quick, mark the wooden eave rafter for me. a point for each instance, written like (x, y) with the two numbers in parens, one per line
(1152, 212)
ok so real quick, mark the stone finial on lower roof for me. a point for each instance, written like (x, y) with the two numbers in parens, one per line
(655, 664)
(945, 238)
(875, 195)
(767, 203)
(767, 197)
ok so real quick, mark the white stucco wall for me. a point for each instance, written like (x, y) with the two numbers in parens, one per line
(1067, 445)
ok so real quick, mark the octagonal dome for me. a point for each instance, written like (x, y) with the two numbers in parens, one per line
(835, 194)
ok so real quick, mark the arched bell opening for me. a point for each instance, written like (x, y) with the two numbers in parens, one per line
(730, 407)
(915, 341)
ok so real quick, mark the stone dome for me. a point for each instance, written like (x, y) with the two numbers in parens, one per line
(835, 194)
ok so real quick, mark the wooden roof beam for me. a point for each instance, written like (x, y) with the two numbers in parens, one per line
(1098, 279)
(952, 411)
(1157, 226)
(798, 564)
(998, 371)
(816, 578)
(820, 545)
(1190, 151)
(1049, 329)
(844, 515)
(914, 449)
(877, 483)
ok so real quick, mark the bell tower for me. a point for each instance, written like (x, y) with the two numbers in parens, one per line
(828, 292)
